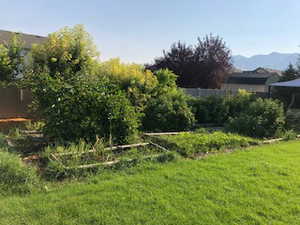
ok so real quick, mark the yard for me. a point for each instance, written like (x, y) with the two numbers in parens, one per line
(259, 185)
(108, 142)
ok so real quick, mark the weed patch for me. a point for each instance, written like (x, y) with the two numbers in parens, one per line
(191, 144)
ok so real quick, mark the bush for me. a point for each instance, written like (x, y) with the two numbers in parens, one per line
(64, 53)
(218, 109)
(127, 75)
(262, 118)
(191, 144)
(83, 108)
(293, 120)
(212, 109)
(167, 109)
(15, 177)
(238, 103)
(288, 135)
(132, 78)
(155, 96)
(3, 143)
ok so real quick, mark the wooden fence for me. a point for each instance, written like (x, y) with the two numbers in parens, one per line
(14, 102)
(199, 92)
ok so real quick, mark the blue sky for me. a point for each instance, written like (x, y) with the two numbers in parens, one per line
(138, 30)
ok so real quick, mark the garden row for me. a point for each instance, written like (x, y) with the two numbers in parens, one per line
(22, 171)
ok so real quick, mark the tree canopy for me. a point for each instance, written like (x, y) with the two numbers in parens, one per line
(204, 65)
(11, 59)
(68, 51)
(291, 73)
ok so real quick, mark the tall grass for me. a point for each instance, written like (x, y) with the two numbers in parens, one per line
(15, 176)
(191, 144)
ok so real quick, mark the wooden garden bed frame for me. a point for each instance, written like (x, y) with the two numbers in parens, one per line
(137, 145)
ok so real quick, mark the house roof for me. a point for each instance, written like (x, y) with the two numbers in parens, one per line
(291, 83)
(259, 76)
(28, 39)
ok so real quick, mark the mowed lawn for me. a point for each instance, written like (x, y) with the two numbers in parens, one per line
(260, 185)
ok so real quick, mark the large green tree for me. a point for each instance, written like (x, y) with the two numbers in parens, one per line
(65, 53)
(11, 59)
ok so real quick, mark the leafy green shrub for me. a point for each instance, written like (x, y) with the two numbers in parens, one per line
(218, 109)
(34, 126)
(288, 135)
(201, 131)
(262, 118)
(190, 144)
(64, 53)
(167, 113)
(15, 177)
(83, 108)
(166, 157)
(238, 103)
(167, 109)
(132, 78)
(156, 96)
(212, 109)
(127, 75)
(3, 143)
(293, 119)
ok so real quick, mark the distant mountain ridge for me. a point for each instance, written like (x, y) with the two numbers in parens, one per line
(274, 60)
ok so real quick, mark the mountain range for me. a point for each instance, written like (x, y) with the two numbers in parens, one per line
(274, 60)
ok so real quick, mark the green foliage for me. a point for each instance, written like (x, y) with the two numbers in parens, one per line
(243, 113)
(155, 96)
(288, 135)
(127, 75)
(132, 78)
(218, 109)
(293, 119)
(11, 59)
(191, 144)
(74, 160)
(167, 109)
(168, 112)
(290, 73)
(262, 118)
(15, 177)
(212, 109)
(34, 125)
(238, 103)
(76, 154)
(65, 53)
(3, 143)
(83, 108)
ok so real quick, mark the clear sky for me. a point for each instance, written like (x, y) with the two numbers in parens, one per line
(138, 30)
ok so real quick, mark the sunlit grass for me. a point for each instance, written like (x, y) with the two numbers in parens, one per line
(260, 185)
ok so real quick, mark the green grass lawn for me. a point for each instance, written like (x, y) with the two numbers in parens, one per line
(260, 185)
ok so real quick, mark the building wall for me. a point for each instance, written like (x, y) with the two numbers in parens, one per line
(248, 87)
